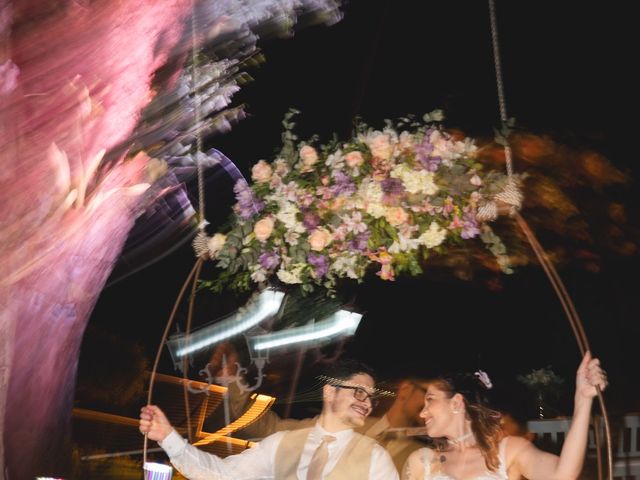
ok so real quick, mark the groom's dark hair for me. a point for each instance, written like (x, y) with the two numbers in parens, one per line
(344, 369)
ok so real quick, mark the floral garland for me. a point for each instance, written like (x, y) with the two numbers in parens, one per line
(387, 199)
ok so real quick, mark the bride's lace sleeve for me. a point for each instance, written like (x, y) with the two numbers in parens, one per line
(414, 466)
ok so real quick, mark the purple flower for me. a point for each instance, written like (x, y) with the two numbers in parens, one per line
(393, 190)
(319, 263)
(310, 220)
(470, 228)
(248, 205)
(432, 163)
(360, 243)
(269, 260)
(342, 184)
(392, 186)
(423, 154)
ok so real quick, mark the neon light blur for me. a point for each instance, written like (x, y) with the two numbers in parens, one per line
(267, 305)
(341, 323)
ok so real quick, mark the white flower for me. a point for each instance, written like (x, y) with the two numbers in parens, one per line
(406, 141)
(424, 183)
(215, 244)
(415, 181)
(370, 198)
(286, 192)
(370, 191)
(435, 116)
(335, 161)
(476, 181)
(291, 276)
(448, 149)
(469, 148)
(288, 277)
(346, 264)
(433, 236)
(258, 274)
(404, 244)
(376, 209)
(353, 223)
(291, 237)
(288, 215)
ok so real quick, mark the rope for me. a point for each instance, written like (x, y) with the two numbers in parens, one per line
(499, 83)
(197, 116)
(199, 241)
(543, 259)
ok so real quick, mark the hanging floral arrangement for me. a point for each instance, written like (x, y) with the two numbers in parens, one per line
(386, 200)
(541, 379)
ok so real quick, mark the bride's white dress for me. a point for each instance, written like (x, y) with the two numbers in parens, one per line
(500, 474)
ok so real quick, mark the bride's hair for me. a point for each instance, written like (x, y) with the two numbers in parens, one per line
(485, 421)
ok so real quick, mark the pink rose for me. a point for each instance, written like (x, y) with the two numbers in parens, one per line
(281, 167)
(308, 155)
(261, 172)
(396, 216)
(263, 228)
(319, 239)
(380, 145)
(337, 203)
(354, 159)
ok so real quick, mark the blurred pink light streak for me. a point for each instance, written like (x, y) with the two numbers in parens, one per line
(74, 82)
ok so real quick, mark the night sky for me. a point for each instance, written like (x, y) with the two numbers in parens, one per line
(567, 73)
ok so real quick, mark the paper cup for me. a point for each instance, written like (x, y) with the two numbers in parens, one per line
(157, 471)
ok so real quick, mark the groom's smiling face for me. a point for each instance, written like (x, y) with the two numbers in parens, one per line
(343, 404)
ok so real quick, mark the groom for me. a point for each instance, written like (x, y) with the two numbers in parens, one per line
(389, 429)
(329, 450)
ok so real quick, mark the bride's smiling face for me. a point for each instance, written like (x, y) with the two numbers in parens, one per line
(438, 412)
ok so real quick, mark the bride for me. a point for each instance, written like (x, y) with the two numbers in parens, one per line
(456, 409)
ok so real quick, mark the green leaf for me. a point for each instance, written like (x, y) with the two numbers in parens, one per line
(391, 231)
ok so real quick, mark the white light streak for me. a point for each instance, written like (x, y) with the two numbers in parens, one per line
(342, 323)
(267, 304)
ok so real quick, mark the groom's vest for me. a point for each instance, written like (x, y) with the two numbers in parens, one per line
(353, 464)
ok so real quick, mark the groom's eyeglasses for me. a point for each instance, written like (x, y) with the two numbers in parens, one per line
(361, 394)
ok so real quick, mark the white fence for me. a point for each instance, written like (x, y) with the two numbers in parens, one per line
(625, 432)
